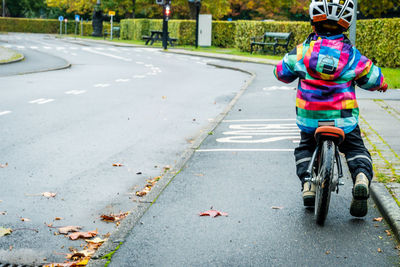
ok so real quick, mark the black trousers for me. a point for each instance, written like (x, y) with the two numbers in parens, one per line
(357, 155)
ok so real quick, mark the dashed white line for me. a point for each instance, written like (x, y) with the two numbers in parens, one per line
(106, 54)
(41, 101)
(5, 112)
(258, 120)
(122, 80)
(101, 85)
(34, 47)
(139, 76)
(246, 150)
(75, 92)
(139, 62)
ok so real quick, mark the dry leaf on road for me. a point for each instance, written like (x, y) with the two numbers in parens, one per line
(276, 208)
(48, 194)
(388, 233)
(65, 230)
(118, 164)
(5, 231)
(379, 250)
(58, 218)
(114, 217)
(76, 235)
(379, 219)
(213, 213)
(25, 220)
(3, 212)
(3, 165)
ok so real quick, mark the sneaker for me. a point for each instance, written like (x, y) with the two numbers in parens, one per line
(359, 205)
(309, 194)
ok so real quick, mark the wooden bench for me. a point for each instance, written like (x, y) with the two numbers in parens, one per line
(274, 39)
(157, 36)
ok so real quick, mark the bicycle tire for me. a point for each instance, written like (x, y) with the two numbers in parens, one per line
(325, 172)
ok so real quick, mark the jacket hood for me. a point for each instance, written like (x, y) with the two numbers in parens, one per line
(327, 57)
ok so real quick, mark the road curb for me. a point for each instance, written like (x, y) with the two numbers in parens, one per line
(119, 235)
(22, 57)
(387, 206)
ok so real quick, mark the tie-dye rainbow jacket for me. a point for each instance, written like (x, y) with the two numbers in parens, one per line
(328, 69)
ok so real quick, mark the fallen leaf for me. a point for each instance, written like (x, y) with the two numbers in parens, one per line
(388, 233)
(327, 252)
(5, 231)
(148, 186)
(114, 217)
(49, 194)
(3, 212)
(213, 213)
(379, 250)
(96, 240)
(164, 97)
(77, 235)
(3, 165)
(379, 219)
(10, 248)
(166, 168)
(276, 208)
(58, 218)
(65, 230)
(199, 174)
(118, 164)
(25, 220)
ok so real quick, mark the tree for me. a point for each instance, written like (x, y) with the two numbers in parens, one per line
(377, 9)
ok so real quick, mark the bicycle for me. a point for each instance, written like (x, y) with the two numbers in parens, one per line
(321, 170)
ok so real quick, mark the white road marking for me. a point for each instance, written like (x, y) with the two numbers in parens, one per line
(5, 112)
(41, 101)
(112, 49)
(149, 65)
(106, 54)
(7, 46)
(282, 88)
(101, 85)
(244, 133)
(75, 92)
(122, 80)
(20, 47)
(60, 48)
(259, 120)
(139, 76)
(34, 47)
(46, 47)
(74, 54)
(139, 62)
(246, 150)
(73, 48)
(99, 48)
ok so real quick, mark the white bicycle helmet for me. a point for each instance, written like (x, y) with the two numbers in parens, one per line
(339, 11)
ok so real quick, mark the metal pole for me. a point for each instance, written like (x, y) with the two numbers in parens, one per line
(353, 26)
(60, 28)
(198, 5)
(81, 26)
(165, 29)
(111, 31)
(66, 22)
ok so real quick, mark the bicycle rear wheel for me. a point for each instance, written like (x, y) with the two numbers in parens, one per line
(325, 175)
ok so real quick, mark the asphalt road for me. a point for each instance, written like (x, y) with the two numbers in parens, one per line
(62, 131)
(246, 168)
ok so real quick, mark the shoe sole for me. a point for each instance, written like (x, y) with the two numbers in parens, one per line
(309, 201)
(359, 204)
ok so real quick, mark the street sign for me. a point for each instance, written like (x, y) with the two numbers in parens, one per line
(66, 20)
(77, 18)
(160, 2)
(60, 18)
(111, 13)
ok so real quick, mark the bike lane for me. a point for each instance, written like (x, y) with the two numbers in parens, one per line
(246, 168)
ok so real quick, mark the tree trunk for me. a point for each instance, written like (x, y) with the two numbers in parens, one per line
(133, 8)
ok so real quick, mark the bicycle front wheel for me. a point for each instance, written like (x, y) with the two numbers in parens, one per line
(325, 176)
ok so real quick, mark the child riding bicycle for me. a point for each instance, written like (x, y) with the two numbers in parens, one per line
(328, 67)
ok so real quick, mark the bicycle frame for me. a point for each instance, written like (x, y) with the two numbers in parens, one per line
(313, 165)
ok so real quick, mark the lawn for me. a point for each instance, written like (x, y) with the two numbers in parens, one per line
(392, 75)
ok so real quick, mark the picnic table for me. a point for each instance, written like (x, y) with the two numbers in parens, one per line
(158, 36)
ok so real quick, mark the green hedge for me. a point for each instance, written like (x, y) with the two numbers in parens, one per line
(377, 39)
(222, 35)
(51, 26)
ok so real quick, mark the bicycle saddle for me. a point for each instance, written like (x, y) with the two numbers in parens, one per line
(330, 132)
